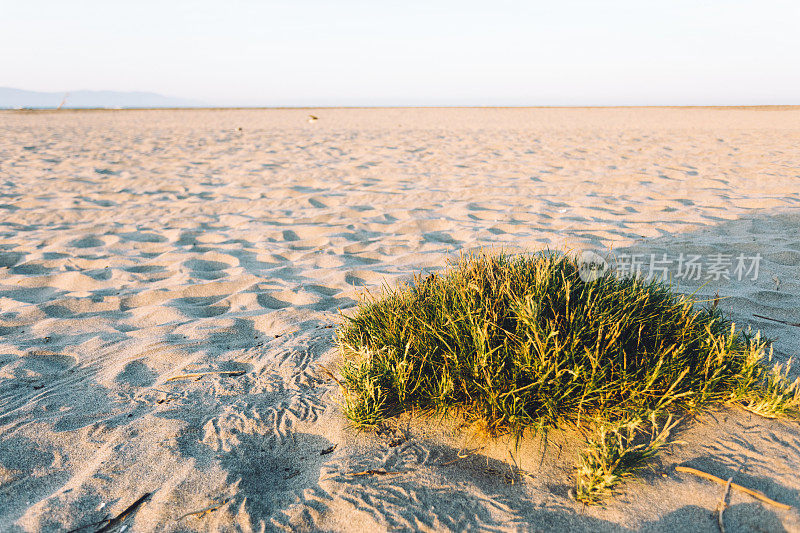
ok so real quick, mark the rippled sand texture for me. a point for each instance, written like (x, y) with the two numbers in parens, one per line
(137, 247)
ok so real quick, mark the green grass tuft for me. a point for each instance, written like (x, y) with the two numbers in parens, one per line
(617, 451)
(521, 343)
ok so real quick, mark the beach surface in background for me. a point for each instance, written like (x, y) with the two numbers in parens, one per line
(170, 284)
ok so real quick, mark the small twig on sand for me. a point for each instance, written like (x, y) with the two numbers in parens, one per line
(378, 472)
(795, 324)
(460, 456)
(724, 505)
(328, 450)
(754, 493)
(202, 512)
(330, 374)
(124, 514)
(371, 472)
(201, 374)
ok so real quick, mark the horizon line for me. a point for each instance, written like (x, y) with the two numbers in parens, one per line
(776, 107)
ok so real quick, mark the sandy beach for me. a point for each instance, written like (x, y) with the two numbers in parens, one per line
(170, 284)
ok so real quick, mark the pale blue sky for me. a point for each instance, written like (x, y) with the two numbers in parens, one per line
(347, 52)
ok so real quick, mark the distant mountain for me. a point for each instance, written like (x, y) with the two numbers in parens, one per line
(18, 98)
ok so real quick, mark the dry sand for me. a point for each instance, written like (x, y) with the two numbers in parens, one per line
(140, 246)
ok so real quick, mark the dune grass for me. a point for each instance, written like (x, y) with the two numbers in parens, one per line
(522, 344)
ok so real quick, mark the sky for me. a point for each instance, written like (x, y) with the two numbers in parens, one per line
(410, 52)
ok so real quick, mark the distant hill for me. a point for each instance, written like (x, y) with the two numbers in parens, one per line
(18, 98)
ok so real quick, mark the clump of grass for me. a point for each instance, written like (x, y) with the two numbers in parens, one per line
(617, 451)
(776, 396)
(521, 343)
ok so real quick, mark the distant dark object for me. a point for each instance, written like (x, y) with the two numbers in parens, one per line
(239, 129)
(312, 118)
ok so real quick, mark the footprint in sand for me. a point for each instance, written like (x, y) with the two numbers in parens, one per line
(202, 265)
(9, 259)
(32, 269)
(785, 258)
(136, 374)
(145, 269)
(200, 306)
(269, 302)
(40, 365)
(32, 295)
(141, 236)
(90, 241)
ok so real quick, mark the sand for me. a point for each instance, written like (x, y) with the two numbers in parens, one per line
(137, 247)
